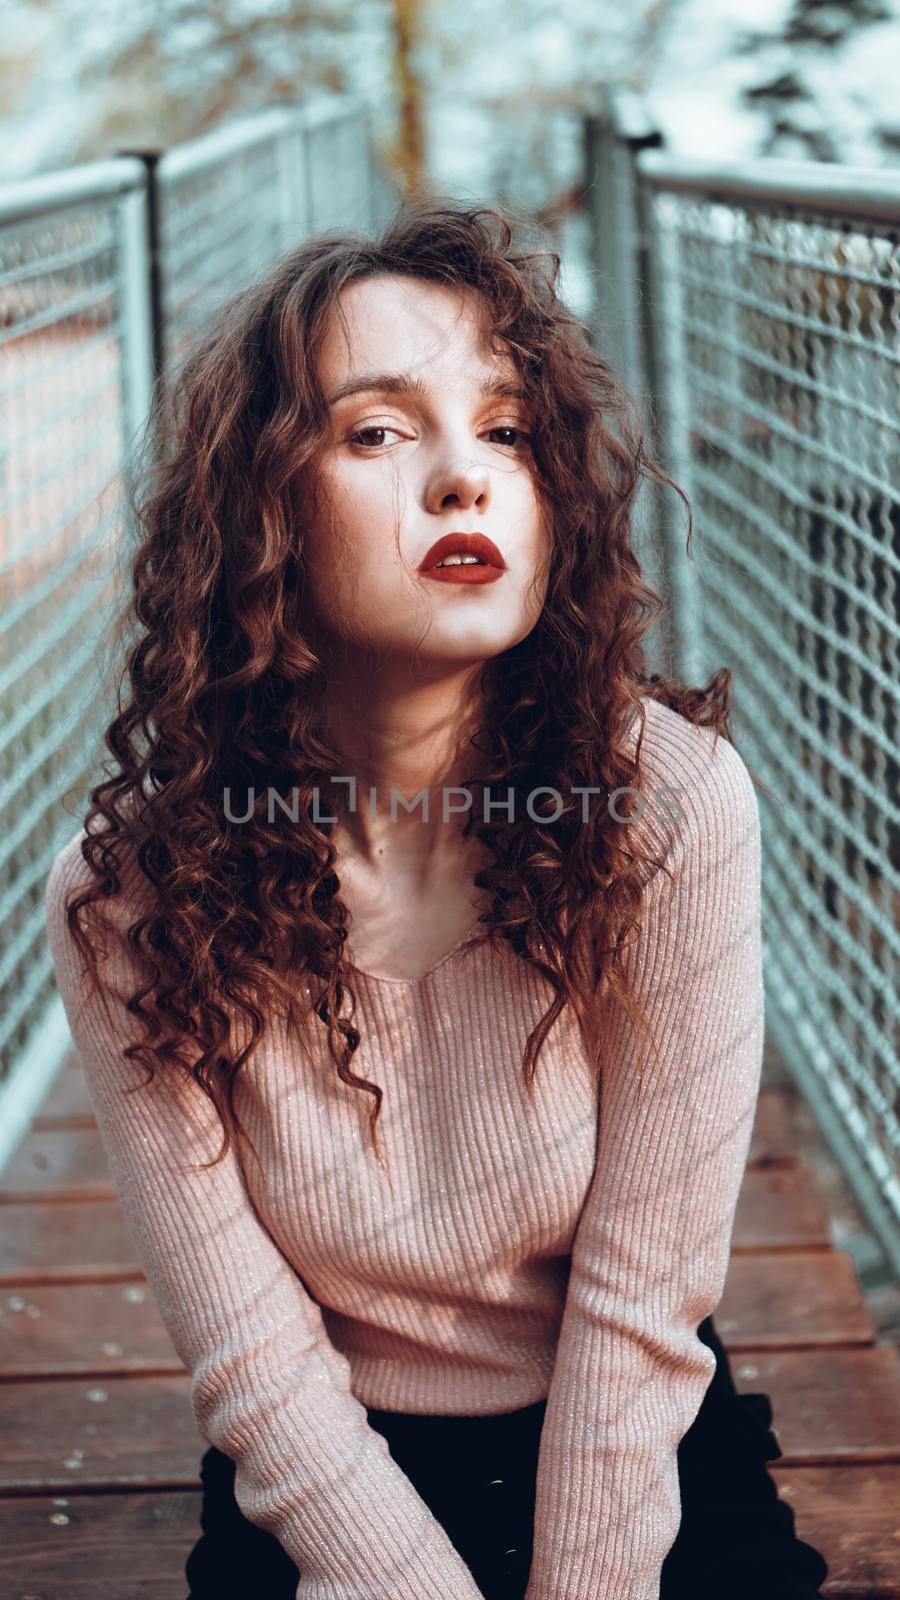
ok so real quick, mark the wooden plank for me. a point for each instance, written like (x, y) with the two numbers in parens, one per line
(115, 1433)
(780, 1208)
(852, 1515)
(47, 1164)
(770, 1301)
(46, 1242)
(134, 1546)
(830, 1407)
(98, 1546)
(810, 1298)
(82, 1329)
(67, 1163)
(771, 1144)
(68, 1103)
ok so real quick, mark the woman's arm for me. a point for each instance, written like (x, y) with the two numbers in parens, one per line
(268, 1388)
(652, 1245)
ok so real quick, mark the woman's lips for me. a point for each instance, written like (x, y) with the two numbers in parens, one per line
(465, 574)
(487, 569)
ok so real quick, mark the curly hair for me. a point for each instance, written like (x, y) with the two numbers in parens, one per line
(224, 684)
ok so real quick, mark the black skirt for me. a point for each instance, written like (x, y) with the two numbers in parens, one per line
(478, 1474)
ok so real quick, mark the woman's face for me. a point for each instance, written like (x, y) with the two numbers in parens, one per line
(430, 453)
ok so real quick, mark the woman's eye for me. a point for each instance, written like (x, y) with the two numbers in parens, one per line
(359, 437)
(511, 428)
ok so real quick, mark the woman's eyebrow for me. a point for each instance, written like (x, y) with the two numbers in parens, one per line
(407, 383)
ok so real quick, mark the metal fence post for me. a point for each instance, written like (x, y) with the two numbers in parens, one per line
(143, 334)
(664, 364)
(614, 134)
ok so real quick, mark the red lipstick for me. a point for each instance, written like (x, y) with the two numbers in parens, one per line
(488, 567)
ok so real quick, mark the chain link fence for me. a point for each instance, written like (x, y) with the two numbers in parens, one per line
(106, 271)
(755, 309)
(229, 203)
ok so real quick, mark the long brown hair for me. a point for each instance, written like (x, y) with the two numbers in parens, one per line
(223, 683)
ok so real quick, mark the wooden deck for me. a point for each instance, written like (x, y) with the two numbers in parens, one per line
(99, 1453)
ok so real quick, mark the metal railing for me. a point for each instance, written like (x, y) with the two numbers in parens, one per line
(755, 310)
(106, 271)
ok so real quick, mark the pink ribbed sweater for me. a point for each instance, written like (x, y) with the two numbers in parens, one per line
(528, 1250)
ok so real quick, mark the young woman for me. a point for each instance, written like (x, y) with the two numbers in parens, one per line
(427, 1040)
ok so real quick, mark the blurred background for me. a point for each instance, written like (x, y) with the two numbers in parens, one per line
(722, 185)
(467, 97)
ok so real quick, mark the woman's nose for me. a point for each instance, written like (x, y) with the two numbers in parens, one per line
(465, 483)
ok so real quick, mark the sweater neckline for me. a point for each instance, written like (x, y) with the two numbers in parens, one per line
(414, 983)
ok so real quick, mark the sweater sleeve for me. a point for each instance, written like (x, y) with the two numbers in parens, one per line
(651, 1249)
(267, 1386)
